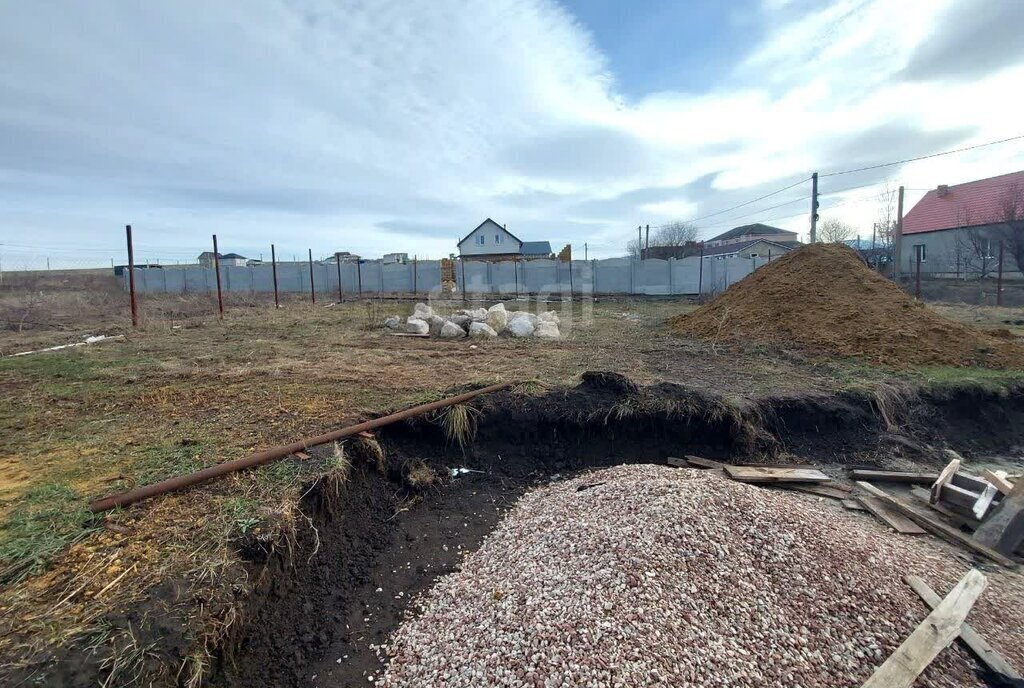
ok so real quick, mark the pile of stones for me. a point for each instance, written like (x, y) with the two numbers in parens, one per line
(479, 323)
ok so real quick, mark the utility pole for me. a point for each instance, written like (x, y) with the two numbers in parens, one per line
(814, 207)
(639, 241)
(647, 242)
(999, 279)
(584, 250)
(897, 239)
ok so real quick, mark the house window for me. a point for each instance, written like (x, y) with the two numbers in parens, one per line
(480, 239)
(497, 238)
(921, 252)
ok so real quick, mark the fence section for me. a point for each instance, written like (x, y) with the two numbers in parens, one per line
(610, 276)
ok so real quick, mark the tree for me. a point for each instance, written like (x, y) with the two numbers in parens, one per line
(674, 234)
(633, 248)
(1012, 233)
(834, 231)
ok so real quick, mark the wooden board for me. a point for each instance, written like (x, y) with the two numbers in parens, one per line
(944, 477)
(762, 474)
(408, 334)
(932, 636)
(958, 519)
(967, 481)
(891, 516)
(999, 479)
(816, 489)
(974, 642)
(676, 461)
(937, 527)
(1004, 528)
(894, 477)
(952, 494)
(981, 506)
(698, 462)
(853, 505)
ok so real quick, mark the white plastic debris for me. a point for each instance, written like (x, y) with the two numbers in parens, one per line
(88, 340)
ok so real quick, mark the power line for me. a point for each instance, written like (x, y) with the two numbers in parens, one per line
(759, 198)
(923, 157)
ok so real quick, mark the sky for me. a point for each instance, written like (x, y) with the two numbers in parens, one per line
(374, 126)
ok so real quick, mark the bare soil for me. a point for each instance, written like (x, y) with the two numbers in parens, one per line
(824, 297)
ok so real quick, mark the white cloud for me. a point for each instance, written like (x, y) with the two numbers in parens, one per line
(374, 127)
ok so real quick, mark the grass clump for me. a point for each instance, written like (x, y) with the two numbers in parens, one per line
(459, 423)
(42, 523)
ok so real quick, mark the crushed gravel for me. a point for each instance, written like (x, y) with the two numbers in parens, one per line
(646, 575)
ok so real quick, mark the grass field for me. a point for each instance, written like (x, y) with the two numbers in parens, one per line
(189, 390)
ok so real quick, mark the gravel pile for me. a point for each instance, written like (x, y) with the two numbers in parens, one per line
(646, 575)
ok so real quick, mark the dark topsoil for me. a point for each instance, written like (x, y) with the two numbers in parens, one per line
(380, 533)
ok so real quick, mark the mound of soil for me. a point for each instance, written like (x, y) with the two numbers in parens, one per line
(823, 296)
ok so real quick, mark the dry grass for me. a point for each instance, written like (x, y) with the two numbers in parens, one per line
(189, 390)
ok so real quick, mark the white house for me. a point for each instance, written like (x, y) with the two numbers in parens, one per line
(491, 241)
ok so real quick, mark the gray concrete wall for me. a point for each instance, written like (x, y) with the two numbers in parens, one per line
(610, 276)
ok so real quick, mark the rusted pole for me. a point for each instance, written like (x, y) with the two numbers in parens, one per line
(337, 262)
(273, 267)
(312, 286)
(999, 277)
(359, 276)
(275, 453)
(216, 267)
(415, 269)
(917, 288)
(131, 276)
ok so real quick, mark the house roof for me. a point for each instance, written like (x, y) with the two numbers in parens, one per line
(756, 229)
(482, 224)
(232, 255)
(535, 248)
(963, 205)
(729, 249)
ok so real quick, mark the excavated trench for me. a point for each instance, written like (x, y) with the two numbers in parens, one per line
(318, 620)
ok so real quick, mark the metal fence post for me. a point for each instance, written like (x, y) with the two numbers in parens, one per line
(999, 278)
(216, 267)
(337, 262)
(312, 284)
(359, 276)
(273, 268)
(917, 287)
(131, 276)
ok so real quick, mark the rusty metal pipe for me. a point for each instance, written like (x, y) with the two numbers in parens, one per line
(274, 453)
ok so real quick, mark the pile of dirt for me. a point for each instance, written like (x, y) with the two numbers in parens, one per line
(823, 296)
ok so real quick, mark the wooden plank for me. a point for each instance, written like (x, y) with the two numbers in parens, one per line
(698, 462)
(937, 527)
(969, 482)
(677, 462)
(984, 502)
(408, 334)
(952, 494)
(816, 489)
(947, 473)
(1004, 528)
(892, 517)
(958, 519)
(999, 479)
(761, 474)
(932, 636)
(853, 505)
(985, 653)
(894, 476)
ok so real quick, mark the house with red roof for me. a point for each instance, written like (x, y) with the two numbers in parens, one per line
(956, 229)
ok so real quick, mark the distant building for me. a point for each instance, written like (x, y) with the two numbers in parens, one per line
(748, 233)
(759, 249)
(393, 258)
(342, 257)
(491, 242)
(253, 262)
(206, 259)
(956, 229)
